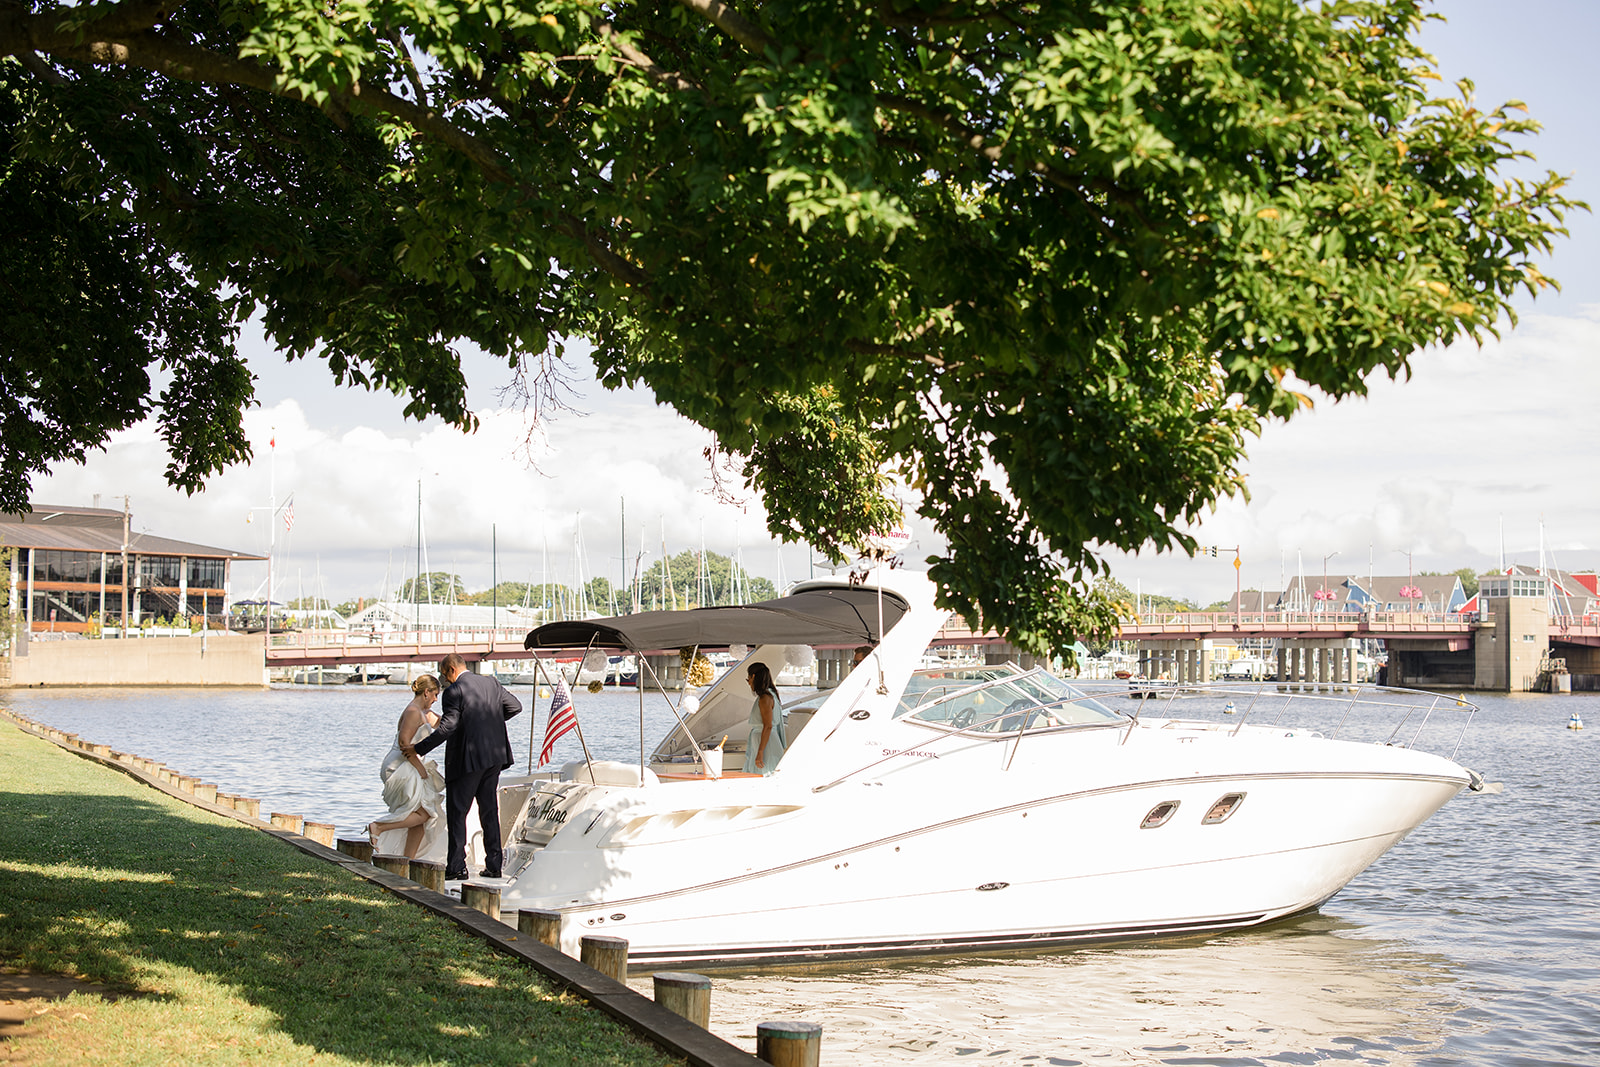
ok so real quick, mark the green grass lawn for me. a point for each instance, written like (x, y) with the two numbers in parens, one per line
(249, 950)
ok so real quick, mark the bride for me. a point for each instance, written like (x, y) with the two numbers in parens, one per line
(414, 825)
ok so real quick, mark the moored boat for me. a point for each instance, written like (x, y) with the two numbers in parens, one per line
(943, 809)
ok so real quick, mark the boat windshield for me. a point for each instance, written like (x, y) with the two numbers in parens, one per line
(998, 699)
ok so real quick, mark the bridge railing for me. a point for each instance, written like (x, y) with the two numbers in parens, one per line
(1217, 620)
(367, 641)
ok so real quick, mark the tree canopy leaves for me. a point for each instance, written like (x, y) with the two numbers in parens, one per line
(1039, 268)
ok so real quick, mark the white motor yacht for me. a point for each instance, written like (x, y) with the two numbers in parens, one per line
(948, 808)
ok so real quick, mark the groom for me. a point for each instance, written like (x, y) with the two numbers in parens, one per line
(473, 713)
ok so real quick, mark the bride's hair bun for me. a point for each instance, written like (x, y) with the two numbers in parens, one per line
(425, 683)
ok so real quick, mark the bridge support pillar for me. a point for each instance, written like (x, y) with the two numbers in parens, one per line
(1283, 663)
(1324, 656)
(665, 672)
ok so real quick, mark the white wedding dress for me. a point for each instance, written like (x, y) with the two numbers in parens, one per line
(404, 790)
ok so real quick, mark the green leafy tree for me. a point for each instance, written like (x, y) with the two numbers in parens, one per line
(718, 589)
(506, 593)
(435, 587)
(1047, 266)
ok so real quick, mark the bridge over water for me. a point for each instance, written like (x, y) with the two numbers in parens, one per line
(1501, 648)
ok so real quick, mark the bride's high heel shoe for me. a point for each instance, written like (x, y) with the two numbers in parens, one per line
(372, 835)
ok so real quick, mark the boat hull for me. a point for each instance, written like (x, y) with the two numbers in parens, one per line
(1030, 872)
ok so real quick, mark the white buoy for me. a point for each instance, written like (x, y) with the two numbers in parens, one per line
(1228, 708)
(1574, 723)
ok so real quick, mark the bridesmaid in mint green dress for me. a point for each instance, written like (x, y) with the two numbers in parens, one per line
(765, 747)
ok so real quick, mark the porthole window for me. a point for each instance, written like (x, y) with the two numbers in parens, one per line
(1159, 815)
(1223, 809)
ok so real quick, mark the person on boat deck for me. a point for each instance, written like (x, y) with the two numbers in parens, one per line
(862, 652)
(411, 788)
(765, 747)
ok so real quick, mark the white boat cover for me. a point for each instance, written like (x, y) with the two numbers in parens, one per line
(829, 616)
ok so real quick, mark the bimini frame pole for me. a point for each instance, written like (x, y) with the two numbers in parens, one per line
(644, 665)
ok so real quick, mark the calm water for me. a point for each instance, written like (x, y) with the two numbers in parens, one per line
(1472, 942)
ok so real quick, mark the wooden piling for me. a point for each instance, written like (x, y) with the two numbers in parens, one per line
(400, 865)
(430, 873)
(357, 847)
(100, 750)
(163, 773)
(608, 955)
(685, 994)
(543, 925)
(187, 783)
(484, 898)
(321, 832)
(247, 806)
(206, 791)
(292, 823)
(226, 799)
(789, 1043)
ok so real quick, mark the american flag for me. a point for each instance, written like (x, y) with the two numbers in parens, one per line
(562, 718)
(288, 517)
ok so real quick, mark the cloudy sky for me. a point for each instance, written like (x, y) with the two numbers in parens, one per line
(1478, 440)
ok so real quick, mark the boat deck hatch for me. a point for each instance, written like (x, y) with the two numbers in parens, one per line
(1160, 814)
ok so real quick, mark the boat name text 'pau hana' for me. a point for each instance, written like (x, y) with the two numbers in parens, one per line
(551, 811)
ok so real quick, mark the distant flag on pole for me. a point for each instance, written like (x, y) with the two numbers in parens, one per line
(562, 718)
(288, 517)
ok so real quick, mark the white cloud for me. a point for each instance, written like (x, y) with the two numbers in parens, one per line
(1428, 466)
(355, 497)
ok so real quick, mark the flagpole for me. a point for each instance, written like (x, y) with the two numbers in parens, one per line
(533, 706)
(576, 724)
(572, 695)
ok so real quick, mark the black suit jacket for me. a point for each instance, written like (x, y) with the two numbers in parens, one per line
(473, 713)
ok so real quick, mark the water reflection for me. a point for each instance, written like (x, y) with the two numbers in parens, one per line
(1302, 991)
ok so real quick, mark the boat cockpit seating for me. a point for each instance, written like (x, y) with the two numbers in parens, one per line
(607, 772)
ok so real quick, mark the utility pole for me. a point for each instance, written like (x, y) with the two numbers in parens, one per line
(122, 627)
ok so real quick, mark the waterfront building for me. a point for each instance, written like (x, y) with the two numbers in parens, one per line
(69, 564)
(1569, 595)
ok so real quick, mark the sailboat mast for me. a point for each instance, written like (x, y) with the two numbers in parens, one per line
(416, 584)
(666, 570)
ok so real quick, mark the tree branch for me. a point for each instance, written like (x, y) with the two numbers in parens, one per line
(635, 57)
(409, 65)
(115, 20)
(752, 37)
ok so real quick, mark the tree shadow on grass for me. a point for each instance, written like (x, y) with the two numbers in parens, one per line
(136, 892)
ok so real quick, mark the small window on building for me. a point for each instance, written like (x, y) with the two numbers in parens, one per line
(1530, 638)
(1223, 809)
(1159, 815)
